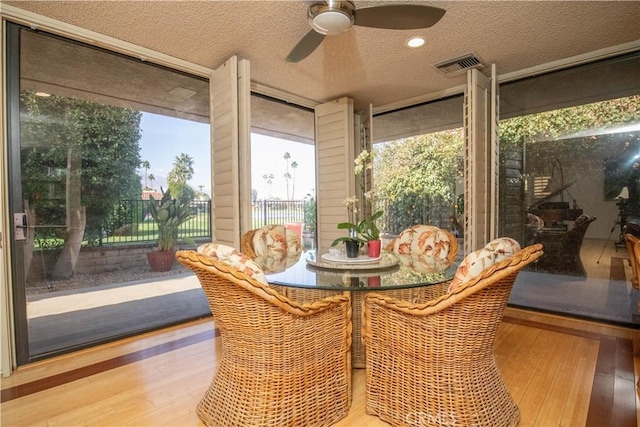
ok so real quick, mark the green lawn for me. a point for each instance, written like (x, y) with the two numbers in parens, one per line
(147, 231)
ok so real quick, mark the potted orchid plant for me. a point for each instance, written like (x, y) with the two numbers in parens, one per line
(353, 241)
(364, 231)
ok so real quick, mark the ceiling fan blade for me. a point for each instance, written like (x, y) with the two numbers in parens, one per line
(305, 47)
(398, 16)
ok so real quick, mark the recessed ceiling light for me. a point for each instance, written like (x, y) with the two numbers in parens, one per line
(414, 42)
(43, 94)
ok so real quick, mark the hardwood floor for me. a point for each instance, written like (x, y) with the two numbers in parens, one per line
(599, 255)
(560, 371)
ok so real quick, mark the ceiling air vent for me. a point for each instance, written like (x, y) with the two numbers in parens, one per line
(459, 65)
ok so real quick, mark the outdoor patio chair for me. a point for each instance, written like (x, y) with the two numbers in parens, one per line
(280, 363)
(433, 362)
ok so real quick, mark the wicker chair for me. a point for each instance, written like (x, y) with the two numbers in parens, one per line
(633, 249)
(562, 249)
(281, 363)
(246, 243)
(433, 362)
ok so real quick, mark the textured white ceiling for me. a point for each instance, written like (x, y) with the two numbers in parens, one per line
(369, 65)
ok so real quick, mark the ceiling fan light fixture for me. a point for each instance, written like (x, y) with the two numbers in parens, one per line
(415, 42)
(334, 17)
(331, 19)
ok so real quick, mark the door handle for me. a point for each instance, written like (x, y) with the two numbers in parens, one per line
(19, 226)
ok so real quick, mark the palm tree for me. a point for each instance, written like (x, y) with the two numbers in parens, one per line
(178, 176)
(182, 169)
(294, 166)
(151, 179)
(269, 180)
(287, 175)
(145, 165)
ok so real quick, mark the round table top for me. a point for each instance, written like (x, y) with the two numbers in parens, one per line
(389, 272)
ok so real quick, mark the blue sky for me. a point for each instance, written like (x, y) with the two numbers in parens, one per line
(164, 138)
(267, 157)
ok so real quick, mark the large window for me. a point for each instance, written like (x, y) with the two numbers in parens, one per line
(283, 167)
(569, 179)
(418, 166)
(570, 144)
(95, 136)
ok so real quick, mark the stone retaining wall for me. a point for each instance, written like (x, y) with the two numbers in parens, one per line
(94, 260)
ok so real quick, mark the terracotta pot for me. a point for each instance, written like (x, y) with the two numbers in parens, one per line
(374, 281)
(373, 248)
(161, 260)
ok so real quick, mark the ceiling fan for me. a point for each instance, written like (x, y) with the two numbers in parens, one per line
(333, 17)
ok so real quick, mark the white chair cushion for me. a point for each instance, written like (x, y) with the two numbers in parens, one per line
(503, 247)
(294, 246)
(270, 240)
(276, 242)
(474, 263)
(235, 259)
(426, 265)
(472, 266)
(427, 241)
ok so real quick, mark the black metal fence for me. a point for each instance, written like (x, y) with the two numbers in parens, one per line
(277, 212)
(396, 216)
(400, 216)
(131, 222)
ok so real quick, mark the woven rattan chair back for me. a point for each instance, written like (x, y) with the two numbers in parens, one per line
(631, 242)
(432, 362)
(246, 243)
(280, 363)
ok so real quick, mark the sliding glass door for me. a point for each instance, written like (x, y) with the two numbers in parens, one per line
(94, 138)
(570, 156)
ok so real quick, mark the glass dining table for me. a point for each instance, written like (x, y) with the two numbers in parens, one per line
(312, 277)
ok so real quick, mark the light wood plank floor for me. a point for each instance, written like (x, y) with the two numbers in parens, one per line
(560, 371)
(598, 254)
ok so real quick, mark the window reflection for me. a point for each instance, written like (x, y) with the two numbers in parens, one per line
(100, 133)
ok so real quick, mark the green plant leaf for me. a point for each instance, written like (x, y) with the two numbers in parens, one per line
(346, 226)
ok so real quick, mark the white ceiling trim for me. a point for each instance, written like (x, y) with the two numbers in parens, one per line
(39, 22)
(452, 91)
(283, 96)
(572, 61)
